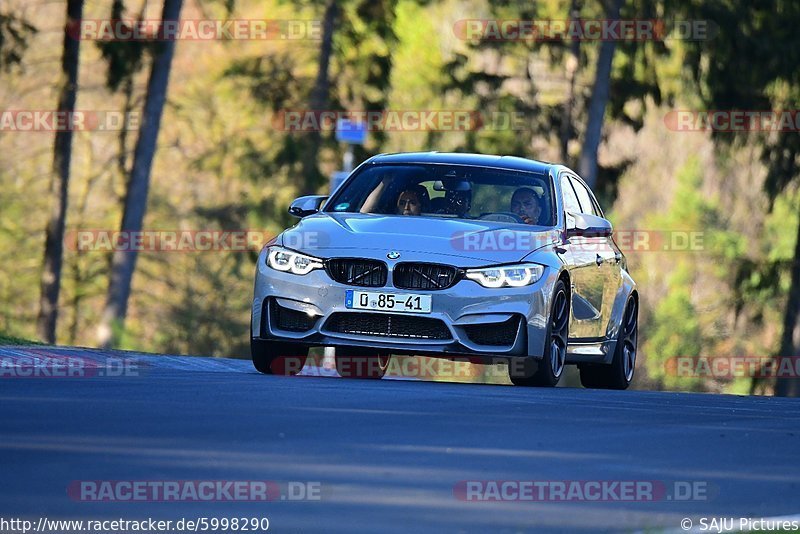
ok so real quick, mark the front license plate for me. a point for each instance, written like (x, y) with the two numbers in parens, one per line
(378, 300)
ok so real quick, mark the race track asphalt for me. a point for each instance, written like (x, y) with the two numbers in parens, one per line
(382, 456)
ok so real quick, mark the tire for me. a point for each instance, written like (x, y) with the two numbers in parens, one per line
(360, 362)
(620, 373)
(547, 371)
(277, 357)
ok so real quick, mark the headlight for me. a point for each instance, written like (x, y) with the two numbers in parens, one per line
(507, 275)
(283, 259)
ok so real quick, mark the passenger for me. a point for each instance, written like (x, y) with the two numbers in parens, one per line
(527, 205)
(413, 200)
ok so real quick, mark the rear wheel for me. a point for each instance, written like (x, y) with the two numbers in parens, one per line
(360, 362)
(619, 374)
(547, 371)
(277, 357)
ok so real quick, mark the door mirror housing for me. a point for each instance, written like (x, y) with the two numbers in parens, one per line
(585, 225)
(305, 206)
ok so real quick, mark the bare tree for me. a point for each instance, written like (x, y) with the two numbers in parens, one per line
(319, 99)
(571, 67)
(598, 102)
(123, 263)
(789, 386)
(59, 185)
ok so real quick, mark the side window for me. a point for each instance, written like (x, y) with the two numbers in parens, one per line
(585, 198)
(570, 200)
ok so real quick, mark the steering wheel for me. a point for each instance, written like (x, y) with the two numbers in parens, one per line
(502, 216)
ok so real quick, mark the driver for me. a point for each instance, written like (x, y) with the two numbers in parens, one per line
(413, 200)
(527, 205)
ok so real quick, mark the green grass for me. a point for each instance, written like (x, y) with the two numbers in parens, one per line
(11, 340)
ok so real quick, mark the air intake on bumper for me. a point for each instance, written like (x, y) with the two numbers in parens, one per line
(388, 325)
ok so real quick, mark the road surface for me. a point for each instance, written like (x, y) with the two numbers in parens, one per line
(381, 456)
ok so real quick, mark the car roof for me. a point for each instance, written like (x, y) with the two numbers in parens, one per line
(457, 158)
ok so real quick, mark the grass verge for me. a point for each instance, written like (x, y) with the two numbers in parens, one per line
(5, 339)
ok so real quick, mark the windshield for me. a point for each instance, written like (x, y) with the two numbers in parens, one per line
(448, 191)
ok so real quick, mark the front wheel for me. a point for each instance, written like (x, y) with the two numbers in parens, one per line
(547, 371)
(277, 357)
(619, 374)
(360, 362)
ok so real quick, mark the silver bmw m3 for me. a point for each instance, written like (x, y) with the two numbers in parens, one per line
(493, 259)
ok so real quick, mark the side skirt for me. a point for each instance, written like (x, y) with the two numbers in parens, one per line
(590, 351)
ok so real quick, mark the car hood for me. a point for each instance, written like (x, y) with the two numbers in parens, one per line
(466, 243)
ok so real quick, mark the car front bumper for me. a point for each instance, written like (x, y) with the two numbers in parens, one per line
(468, 312)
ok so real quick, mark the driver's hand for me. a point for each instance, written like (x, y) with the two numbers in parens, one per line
(527, 220)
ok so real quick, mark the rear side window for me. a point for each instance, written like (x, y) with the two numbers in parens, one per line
(570, 200)
(585, 198)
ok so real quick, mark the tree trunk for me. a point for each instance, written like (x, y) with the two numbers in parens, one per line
(597, 105)
(124, 262)
(59, 185)
(571, 67)
(318, 100)
(790, 340)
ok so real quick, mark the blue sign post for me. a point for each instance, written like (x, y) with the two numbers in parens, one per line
(352, 133)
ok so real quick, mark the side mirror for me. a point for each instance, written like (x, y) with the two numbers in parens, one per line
(585, 225)
(304, 206)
